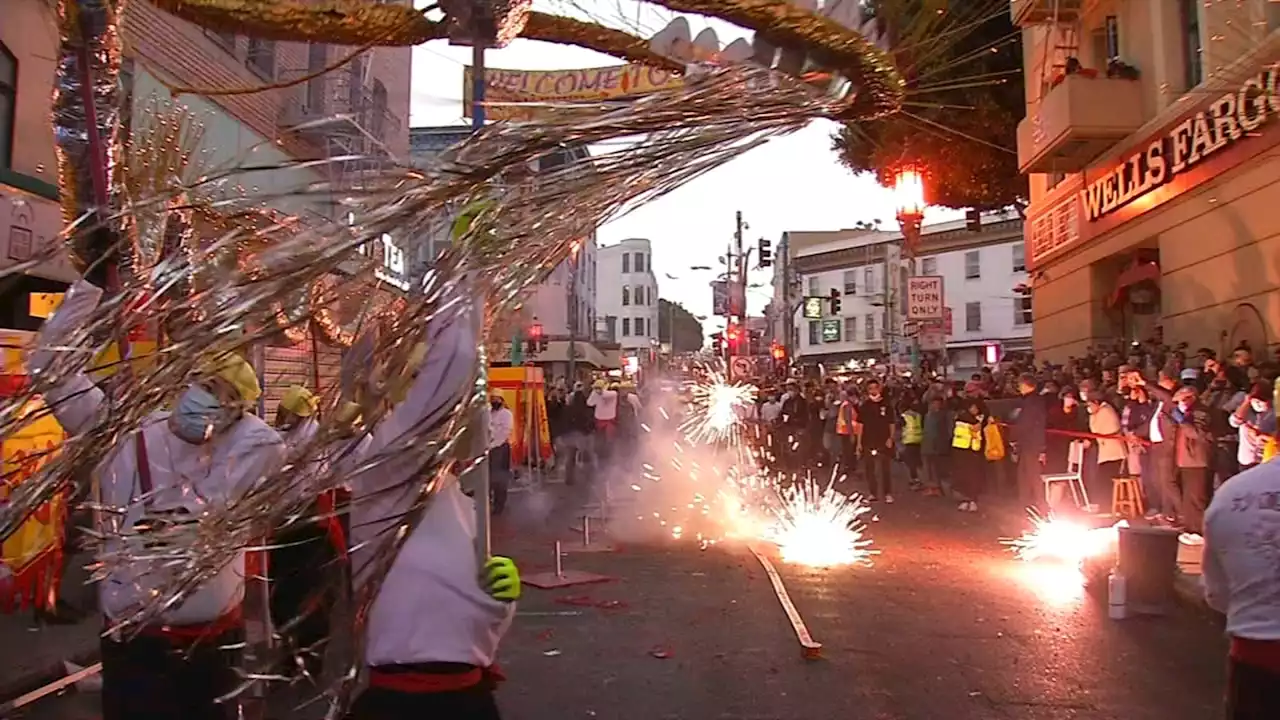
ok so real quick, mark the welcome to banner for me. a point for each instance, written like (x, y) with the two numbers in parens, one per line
(545, 86)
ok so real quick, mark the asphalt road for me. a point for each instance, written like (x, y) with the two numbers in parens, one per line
(945, 624)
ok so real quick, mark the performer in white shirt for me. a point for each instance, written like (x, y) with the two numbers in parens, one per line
(604, 403)
(1242, 579)
(433, 631)
(204, 453)
(502, 424)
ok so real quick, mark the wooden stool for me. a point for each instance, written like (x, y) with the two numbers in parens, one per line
(1126, 497)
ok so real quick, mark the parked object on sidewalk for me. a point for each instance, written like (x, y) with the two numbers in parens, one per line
(1117, 606)
(562, 577)
(1057, 485)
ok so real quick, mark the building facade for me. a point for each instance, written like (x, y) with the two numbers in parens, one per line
(1150, 143)
(564, 303)
(370, 94)
(628, 297)
(982, 274)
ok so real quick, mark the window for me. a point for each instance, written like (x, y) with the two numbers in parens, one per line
(226, 40)
(639, 294)
(850, 282)
(972, 265)
(639, 327)
(261, 57)
(869, 280)
(929, 266)
(317, 59)
(626, 262)
(973, 316)
(8, 104)
(813, 287)
(1019, 258)
(1192, 54)
(815, 332)
(871, 327)
(639, 262)
(851, 329)
(626, 327)
(626, 295)
(1022, 310)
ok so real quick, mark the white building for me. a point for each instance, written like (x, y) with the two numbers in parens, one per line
(981, 273)
(628, 297)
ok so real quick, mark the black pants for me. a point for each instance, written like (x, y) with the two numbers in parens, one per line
(1253, 693)
(848, 455)
(911, 458)
(475, 703)
(154, 678)
(1194, 484)
(878, 461)
(1030, 486)
(499, 477)
(307, 576)
(1103, 479)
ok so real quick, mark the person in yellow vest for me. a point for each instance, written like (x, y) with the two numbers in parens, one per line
(968, 448)
(912, 436)
(846, 431)
(296, 416)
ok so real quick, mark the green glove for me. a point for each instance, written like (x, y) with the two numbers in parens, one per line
(502, 579)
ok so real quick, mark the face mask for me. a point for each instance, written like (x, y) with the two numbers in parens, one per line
(1258, 406)
(496, 405)
(1084, 397)
(1183, 405)
(198, 416)
(875, 396)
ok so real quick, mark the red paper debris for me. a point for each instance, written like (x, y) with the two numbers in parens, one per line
(545, 635)
(660, 652)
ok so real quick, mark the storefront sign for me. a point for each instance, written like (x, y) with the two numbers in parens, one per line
(29, 225)
(830, 331)
(1228, 119)
(813, 308)
(546, 86)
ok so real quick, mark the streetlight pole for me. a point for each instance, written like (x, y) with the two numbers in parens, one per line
(908, 188)
(573, 313)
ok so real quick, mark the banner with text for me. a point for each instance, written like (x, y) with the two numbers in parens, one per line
(548, 86)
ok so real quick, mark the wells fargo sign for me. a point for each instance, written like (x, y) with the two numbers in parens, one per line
(545, 86)
(1198, 137)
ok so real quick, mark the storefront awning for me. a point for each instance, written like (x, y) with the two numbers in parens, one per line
(1136, 273)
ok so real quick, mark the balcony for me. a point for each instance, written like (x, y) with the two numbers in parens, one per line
(346, 112)
(1078, 120)
(1038, 12)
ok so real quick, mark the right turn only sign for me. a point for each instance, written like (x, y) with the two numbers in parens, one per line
(924, 297)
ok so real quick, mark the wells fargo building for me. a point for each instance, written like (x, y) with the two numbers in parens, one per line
(1150, 141)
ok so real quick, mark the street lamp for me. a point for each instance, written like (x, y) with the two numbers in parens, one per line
(908, 191)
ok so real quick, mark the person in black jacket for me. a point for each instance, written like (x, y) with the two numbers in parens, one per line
(1029, 433)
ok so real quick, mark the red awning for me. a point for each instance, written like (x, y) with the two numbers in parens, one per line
(1134, 274)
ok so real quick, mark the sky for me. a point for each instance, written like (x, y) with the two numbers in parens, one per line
(792, 183)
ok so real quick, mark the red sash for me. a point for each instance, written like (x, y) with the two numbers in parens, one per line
(327, 505)
(1264, 654)
(429, 682)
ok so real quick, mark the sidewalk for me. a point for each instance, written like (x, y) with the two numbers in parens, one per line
(37, 653)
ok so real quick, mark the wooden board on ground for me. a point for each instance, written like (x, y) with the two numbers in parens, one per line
(551, 581)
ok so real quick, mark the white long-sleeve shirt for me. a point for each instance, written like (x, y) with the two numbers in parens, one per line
(501, 424)
(1242, 553)
(184, 477)
(431, 606)
(605, 403)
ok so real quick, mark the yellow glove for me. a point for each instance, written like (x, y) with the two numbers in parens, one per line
(502, 579)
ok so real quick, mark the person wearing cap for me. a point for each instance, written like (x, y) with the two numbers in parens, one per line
(296, 416)
(502, 424)
(209, 449)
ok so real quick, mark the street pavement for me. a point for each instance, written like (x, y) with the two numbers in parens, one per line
(943, 624)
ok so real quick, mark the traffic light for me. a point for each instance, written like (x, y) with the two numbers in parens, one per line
(766, 253)
(756, 339)
(536, 342)
(835, 301)
(717, 343)
(733, 338)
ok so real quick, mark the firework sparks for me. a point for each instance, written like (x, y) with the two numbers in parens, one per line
(818, 526)
(1061, 540)
(716, 411)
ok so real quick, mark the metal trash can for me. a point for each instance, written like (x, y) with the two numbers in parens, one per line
(1148, 560)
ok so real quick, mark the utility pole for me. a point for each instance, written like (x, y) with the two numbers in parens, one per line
(573, 315)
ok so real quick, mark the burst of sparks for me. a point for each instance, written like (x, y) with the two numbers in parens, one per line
(819, 526)
(716, 410)
(1061, 540)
